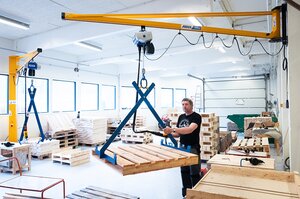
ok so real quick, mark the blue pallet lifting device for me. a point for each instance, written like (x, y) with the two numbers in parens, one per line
(32, 92)
(143, 98)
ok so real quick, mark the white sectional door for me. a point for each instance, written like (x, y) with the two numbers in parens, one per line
(235, 96)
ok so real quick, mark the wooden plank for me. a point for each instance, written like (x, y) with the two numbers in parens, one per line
(100, 194)
(257, 142)
(71, 196)
(183, 153)
(244, 143)
(264, 141)
(165, 152)
(237, 143)
(120, 160)
(87, 195)
(142, 154)
(123, 195)
(129, 156)
(166, 158)
(250, 143)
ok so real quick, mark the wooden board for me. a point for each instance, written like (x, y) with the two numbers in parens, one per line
(226, 182)
(257, 144)
(149, 157)
(233, 160)
(92, 192)
(71, 157)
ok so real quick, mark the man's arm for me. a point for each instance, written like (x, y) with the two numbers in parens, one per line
(181, 131)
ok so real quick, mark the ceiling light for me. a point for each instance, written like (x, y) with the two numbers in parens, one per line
(221, 49)
(89, 46)
(195, 21)
(234, 62)
(14, 23)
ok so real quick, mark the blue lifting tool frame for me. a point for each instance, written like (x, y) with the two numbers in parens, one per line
(143, 98)
(32, 92)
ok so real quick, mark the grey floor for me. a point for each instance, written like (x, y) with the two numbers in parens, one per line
(163, 184)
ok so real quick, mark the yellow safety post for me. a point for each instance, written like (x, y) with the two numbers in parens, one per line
(14, 68)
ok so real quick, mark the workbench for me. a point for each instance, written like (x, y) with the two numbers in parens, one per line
(232, 160)
(22, 152)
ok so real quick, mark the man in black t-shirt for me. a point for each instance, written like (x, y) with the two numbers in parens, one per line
(188, 129)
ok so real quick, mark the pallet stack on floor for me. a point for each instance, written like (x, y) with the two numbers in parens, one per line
(128, 136)
(71, 157)
(209, 135)
(91, 131)
(67, 138)
(43, 149)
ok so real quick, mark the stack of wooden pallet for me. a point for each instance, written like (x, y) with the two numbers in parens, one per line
(209, 135)
(248, 127)
(71, 157)
(173, 115)
(91, 131)
(67, 138)
(128, 136)
(44, 149)
(225, 140)
(252, 144)
(140, 121)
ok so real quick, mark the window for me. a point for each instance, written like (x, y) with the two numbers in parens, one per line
(179, 94)
(109, 97)
(128, 94)
(89, 97)
(40, 98)
(3, 94)
(63, 95)
(166, 97)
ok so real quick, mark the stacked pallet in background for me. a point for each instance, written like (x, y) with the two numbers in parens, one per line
(225, 140)
(44, 149)
(71, 157)
(173, 115)
(67, 138)
(128, 136)
(252, 144)
(209, 135)
(249, 123)
(91, 131)
(140, 121)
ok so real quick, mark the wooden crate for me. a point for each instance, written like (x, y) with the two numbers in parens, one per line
(71, 157)
(149, 157)
(256, 144)
(92, 192)
(230, 182)
(233, 160)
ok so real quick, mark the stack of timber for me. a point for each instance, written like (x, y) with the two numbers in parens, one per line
(67, 138)
(71, 157)
(252, 144)
(129, 136)
(92, 192)
(209, 135)
(228, 182)
(132, 159)
(249, 123)
(44, 149)
(91, 131)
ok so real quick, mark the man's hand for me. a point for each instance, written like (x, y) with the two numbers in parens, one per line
(168, 130)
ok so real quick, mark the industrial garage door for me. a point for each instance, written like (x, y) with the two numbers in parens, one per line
(235, 96)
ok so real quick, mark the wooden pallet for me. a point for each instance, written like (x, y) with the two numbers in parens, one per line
(230, 182)
(71, 157)
(257, 144)
(92, 192)
(66, 138)
(132, 159)
(42, 156)
(92, 144)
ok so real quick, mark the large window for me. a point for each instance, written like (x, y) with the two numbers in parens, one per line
(3, 94)
(40, 98)
(179, 94)
(63, 95)
(89, 97)
(109, 97)
(166, 97)
(128, 96)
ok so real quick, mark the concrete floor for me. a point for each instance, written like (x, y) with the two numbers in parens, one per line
(163, 184)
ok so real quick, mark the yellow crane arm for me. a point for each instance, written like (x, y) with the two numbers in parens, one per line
(134, 20)
(14, 67)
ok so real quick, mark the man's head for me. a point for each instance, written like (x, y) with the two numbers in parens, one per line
(187, 105)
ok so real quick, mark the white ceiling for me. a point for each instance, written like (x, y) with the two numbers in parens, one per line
(57, 37)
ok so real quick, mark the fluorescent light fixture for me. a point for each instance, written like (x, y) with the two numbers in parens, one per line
(194, 21)
(13, 23)
(234, 62)
(221, 49)
(89, 46)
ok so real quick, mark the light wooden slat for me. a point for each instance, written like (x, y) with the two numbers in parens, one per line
(165, 152)
(250, 143)
(166, 158)
(244, 143)
(124, 195)
(265, 141)
(257, 142)
(237, 143)
(129, 156)
(87, 195)
(183, 153)
(100, 194)
(142, 154)
(120, 160)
